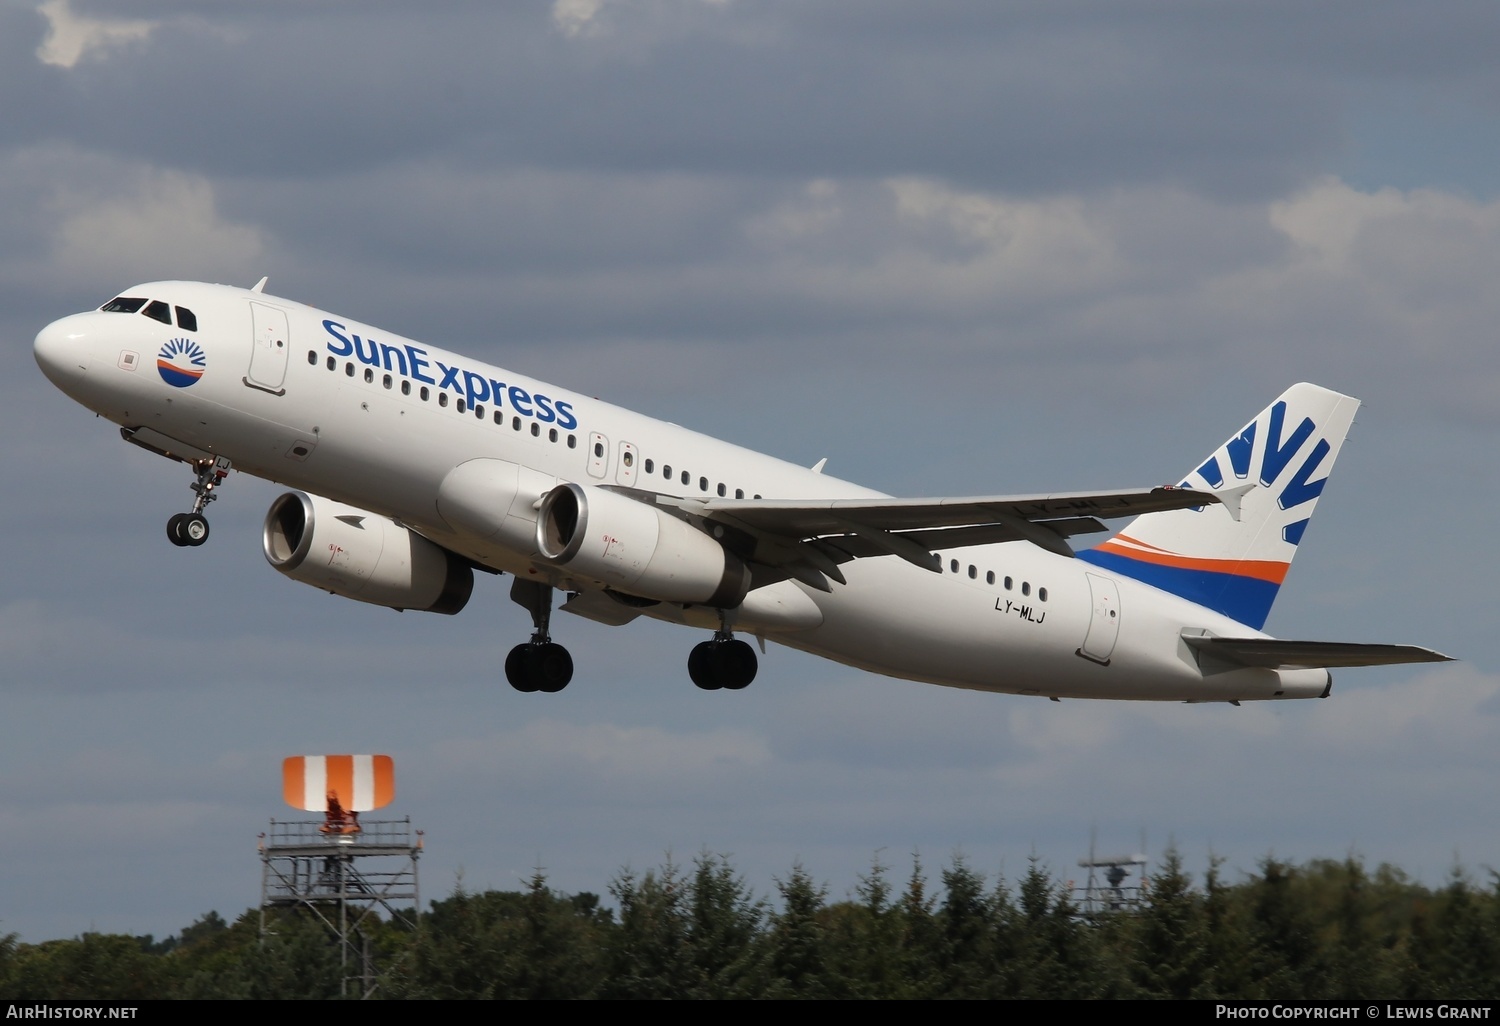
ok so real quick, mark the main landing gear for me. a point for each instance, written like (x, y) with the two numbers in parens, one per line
(191, 529)
(725, 662)
(540, 665)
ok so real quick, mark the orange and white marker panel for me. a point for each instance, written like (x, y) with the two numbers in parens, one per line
(360, 782)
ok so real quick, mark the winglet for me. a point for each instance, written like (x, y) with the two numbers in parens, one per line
(817, 468)
(1230, 498)
(260, 286)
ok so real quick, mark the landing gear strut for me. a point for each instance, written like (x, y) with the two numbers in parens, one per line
(725, 662)
(192, 528)
(540, 665)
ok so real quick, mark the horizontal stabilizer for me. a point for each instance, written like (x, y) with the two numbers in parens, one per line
(1275, 654)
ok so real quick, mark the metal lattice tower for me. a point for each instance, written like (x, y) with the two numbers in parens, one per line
(1109, 888)
(344, 880)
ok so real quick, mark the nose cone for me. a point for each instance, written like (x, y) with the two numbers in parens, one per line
(60, 351)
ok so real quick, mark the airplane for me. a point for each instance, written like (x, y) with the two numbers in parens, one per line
(414, 467)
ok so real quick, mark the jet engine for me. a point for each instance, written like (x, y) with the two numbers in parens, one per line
(362, 556)
(637, 548)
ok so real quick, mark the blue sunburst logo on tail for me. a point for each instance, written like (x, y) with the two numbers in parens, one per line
(180, 362)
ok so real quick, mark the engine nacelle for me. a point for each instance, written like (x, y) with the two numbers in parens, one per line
(636, 548)
(359, 555)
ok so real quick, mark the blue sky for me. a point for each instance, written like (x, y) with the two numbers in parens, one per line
(955, 248)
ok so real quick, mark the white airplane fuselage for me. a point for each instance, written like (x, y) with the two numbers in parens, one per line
(364, 417)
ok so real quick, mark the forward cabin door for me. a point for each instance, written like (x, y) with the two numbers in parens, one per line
(268, 356)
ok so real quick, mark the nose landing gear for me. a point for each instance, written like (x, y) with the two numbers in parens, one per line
(191, 529)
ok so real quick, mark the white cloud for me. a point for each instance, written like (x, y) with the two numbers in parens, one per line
(163, 222)
(574, 17)
(74, 37)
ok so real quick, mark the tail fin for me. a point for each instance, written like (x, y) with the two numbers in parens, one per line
(1233, 557)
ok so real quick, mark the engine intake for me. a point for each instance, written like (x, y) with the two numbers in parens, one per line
(362, 556)
(637, 548)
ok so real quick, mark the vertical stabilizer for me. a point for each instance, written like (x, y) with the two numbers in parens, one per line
(1233, 557)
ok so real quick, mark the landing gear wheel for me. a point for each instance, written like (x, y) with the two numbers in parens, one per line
(728, 664)
(517, 669)
(193, 529)
(540, 666)
(702, 666)
(553, 667)
(737, 663)
(174, 529)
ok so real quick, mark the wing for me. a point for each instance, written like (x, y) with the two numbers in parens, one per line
(809, 538)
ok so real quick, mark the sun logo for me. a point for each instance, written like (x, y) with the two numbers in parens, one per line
(180, 362)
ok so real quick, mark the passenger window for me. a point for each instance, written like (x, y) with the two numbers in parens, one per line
(312, 357)
(123, 304)
(1025, 587)
(703, 484)
(332, 363)
(666, 471)
(442, 398)
(686, 477)
(953, 565)
(422, 394)
(515, 423)
(552, 434)
(405, 387)
(387, 381)
(721, 489)
(598, 448)
(989, 577)
(348, 370)
(479, 411)
(973, 572)
(158, 311)
(1007, 584)
(572, 441)
(499, 418)
(186, 319)
(1041, 594)
(369, 376)
(739, 493)
(650, 466)
(536, 430)
(460, 404)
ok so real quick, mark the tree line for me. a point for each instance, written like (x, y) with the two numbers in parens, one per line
(1326, 929)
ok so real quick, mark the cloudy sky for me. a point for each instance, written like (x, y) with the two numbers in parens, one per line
(957, 248)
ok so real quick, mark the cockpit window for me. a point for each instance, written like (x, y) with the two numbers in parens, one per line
(123, 304)
(186, 319)
(159, 311)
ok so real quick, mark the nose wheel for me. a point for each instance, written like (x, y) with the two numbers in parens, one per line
(191, 529)
(725, 663)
